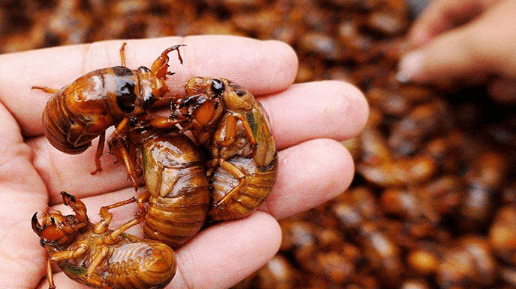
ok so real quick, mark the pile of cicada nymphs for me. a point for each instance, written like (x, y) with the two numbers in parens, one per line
(222, 171)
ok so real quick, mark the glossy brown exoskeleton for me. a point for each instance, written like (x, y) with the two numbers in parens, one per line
(178, 191)
(227, 120)
(94, 255)
(83, 110)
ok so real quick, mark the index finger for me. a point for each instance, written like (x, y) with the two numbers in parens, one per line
(262, 66)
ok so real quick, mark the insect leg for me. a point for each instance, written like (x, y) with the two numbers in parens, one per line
(236, 172)
(69, 254)
(122, 54)
(141, 200)
(77, 206)
(118, 146)
(112, 238)
(226, 136)
(99, 256)
(211, 165)
(247, 127)
(106, 216)
(100, 150)
(46, 89)
(160, 65)
(50, 276)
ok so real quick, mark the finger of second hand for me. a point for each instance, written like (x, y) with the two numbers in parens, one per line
(328, 109)
(220, 256)
(442, 15)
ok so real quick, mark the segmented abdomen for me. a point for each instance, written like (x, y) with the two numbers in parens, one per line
(80, 112)
(62, 129)
(141, 265)
(176, 180)
(229, 205)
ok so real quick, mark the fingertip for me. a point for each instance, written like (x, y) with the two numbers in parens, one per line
(263, 67)
(455, 55)
(357, 106)
(323, 109)
(288, 61)
(309, 174)
(344, 168)
(272, 67)
(410, 67)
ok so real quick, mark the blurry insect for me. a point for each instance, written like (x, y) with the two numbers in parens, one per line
(101, 258)
(227, 120)
(468, 264)
(178, 192)
(83, 110)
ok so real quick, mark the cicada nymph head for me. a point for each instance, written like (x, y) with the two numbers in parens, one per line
(207, 99)
(230, 94)
(58, 230)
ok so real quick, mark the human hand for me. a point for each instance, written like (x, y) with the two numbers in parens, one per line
(307, 120)
(463, 43)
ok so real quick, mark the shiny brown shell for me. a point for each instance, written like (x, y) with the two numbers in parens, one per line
(79, 112)
(258, 183)
(96, 256)
(233, 126)
(131, 263)
(176, 180)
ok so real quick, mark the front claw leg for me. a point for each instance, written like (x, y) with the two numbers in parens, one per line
(160, 65)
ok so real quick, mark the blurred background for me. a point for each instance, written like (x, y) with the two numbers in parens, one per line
(433, 202)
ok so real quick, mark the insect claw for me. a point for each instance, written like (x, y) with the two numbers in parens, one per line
(67, 198)
(187, 101)
(172, 48)
(36, 226)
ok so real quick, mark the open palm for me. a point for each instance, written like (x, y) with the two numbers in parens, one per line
(307, 121)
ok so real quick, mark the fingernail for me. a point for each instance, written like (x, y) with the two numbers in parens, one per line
(409, 67)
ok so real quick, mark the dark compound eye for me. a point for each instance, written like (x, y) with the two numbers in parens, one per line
(126, 96)
(217, 86)
(148, 100)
